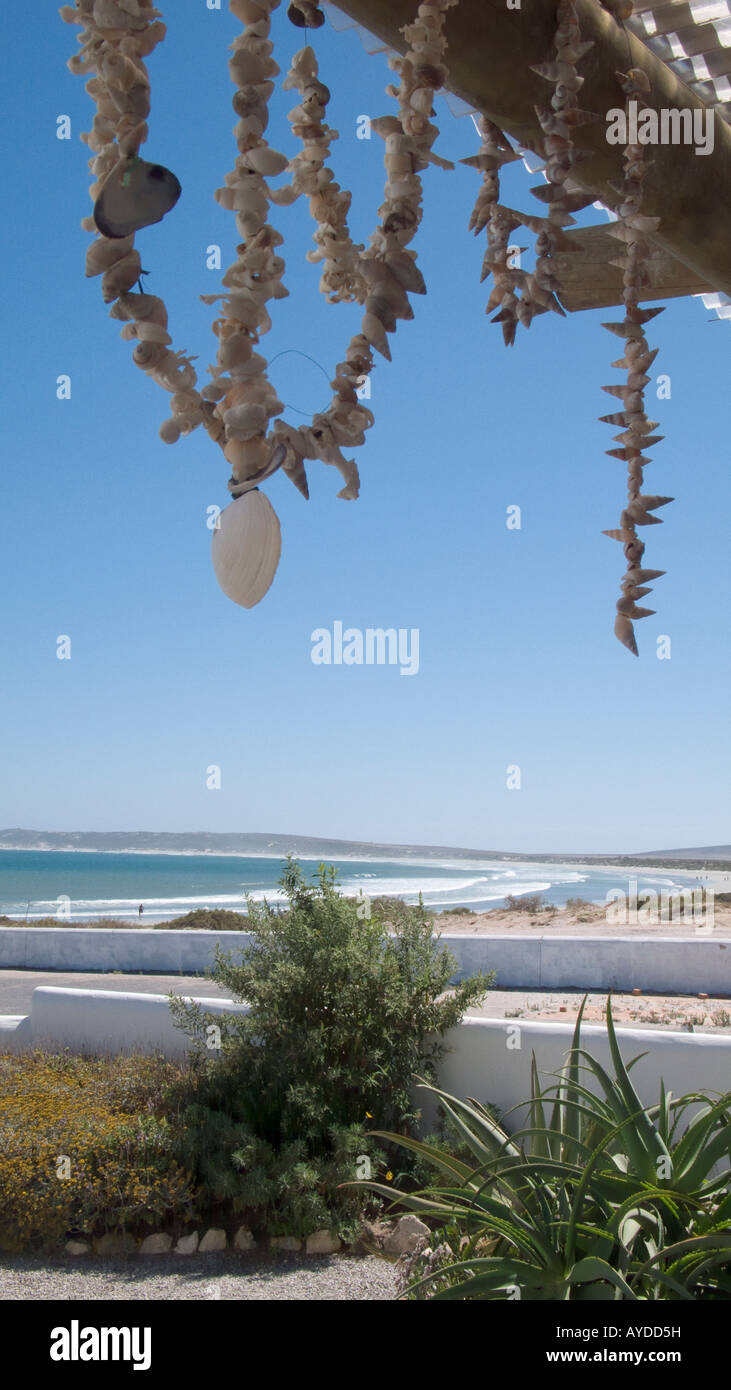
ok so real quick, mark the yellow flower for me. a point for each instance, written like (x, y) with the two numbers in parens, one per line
(389, 1176)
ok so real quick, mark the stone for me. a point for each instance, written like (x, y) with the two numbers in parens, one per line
(187, 1245)
(290, 1243)
(214, 1239)
(243, 1240)
(322, 1243)
(158, 1244)
(405, 1236)
(114, 1243)
(77, 1247)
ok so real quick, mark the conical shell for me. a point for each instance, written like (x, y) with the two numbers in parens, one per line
(247, 544)
(625, 632)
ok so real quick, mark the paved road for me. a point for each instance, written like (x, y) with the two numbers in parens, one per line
(16, 986)
(16, 989)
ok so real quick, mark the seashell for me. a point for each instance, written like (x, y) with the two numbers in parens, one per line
(121, 277)
(138, 307)
(630, 610)
(642, 518)
(375, 333)
(305, 15)
(246, 420)
(624, 631)
(149, 355)
(248, 457)
(406, 271)
(169, 431)
(249, 11)
(246, 547)
(264, 160)
(102, 254)
(651, 502)
(151, 333)
(634, 550)
(136, 194)
(386, 285)
(234, 351)
(640, 576)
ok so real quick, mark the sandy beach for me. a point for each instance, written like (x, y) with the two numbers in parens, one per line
(579, 921)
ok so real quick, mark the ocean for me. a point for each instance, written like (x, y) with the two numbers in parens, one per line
(79, 885)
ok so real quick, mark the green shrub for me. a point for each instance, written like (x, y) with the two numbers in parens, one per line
(207, 919)
(531, 902)
(601, 1198)
(342, 1016)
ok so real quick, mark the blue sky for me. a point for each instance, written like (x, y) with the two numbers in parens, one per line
(105, 538)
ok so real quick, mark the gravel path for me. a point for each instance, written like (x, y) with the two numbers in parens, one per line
(228, 1276)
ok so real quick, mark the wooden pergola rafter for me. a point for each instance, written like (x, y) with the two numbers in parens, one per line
(491, 51)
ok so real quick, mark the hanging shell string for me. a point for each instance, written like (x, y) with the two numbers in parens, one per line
(379, 277)
(245, 400)
(114, 41)
(540, 289)
(636, 435)
(495, 150)
(341, 281)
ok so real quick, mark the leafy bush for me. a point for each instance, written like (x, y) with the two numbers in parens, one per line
(578, 904)
(602, 1199)
(530, 902)
(100, 1114)
(207, 919)
(341, 1017)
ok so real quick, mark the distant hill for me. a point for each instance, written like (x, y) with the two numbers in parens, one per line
(702, 852)
(275, 846)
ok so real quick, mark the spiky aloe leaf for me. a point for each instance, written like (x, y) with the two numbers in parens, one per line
(590, 1269)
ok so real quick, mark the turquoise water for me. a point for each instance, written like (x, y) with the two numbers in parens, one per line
(83, 885)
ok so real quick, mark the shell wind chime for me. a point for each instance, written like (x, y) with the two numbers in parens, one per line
(238, 406)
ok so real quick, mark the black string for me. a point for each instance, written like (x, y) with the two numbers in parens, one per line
(313, 360)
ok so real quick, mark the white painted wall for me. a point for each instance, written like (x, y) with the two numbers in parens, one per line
(483, 1059)
(96, 1020)
(663, 964)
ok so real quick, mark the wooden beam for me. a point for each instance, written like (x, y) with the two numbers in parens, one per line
(491, 50)
(588, 281)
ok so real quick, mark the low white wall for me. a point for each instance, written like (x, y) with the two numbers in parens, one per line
(663, 964)
(110, 1021)
(486, 1058)
(114, 948)
(490, 1059)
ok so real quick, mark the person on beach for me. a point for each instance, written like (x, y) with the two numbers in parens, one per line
(141, 909)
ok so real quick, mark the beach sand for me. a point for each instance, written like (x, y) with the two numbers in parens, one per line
(588, 920)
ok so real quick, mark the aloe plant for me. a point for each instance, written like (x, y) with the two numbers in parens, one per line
(597, 1197)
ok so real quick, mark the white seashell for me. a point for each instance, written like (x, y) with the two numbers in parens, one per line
(264, 160)
(245, 420)
(249, 11)
(169, 431)
(247, 544)
(104, 253)
(248, 457)
(121, 277)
